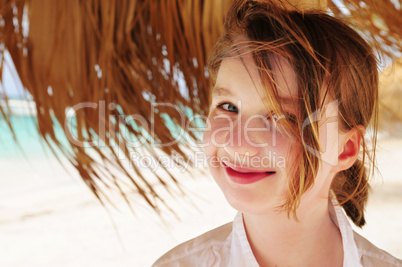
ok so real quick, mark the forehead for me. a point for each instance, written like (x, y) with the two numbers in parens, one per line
(242, 72)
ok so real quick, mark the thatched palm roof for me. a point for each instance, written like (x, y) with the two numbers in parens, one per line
(118, 57)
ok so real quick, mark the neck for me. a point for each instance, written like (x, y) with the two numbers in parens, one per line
(313, 240)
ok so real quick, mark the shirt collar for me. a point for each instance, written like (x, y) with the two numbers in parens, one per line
(351, 255)
(240, 247)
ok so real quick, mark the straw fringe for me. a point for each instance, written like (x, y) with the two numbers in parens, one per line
(118, 57)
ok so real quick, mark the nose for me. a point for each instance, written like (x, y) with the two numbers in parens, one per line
(249, 136)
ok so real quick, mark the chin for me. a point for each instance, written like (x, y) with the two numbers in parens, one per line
(251, 203)
(262, 197)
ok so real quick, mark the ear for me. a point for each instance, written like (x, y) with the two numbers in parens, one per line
(350, 148)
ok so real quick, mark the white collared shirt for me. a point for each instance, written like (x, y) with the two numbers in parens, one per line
(227, 245)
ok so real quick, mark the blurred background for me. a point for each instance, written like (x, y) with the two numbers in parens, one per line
(63, 204)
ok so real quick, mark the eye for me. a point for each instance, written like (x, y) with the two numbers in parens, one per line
(227, 107)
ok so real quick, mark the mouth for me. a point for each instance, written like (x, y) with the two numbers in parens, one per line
(246, 176)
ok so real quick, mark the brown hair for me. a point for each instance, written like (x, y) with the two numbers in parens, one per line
(331, 62)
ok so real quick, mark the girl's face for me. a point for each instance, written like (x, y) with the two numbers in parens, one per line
(247, 155)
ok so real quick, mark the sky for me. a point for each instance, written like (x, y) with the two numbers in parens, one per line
(11, 85)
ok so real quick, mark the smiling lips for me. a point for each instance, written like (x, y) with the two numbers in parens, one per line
(244, 175)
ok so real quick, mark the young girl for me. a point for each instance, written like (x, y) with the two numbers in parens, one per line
(293, 96)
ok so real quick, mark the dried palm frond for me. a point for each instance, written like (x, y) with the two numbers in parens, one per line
(379, 21)
(109, 59)
(115, 63)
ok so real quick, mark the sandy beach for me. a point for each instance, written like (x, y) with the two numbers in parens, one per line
(48, 217)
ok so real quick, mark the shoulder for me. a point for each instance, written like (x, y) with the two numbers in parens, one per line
(209, 247)
(374, 256)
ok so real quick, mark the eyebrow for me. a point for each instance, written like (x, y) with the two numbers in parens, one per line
(221, 91)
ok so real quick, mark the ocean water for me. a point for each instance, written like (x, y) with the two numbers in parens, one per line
(28, 141)
(30, 144)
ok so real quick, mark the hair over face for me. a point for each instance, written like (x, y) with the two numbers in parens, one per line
(332, 62)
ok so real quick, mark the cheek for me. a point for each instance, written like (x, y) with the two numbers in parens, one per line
(211, 141)
(284, 149)
(288, 153)
(206, 139)
(211, 154)
(329, 143)
(207, 136)
(209, 150)
(215, 134)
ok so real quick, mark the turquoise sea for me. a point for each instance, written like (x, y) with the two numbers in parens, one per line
(28, 138)
(30, 144)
